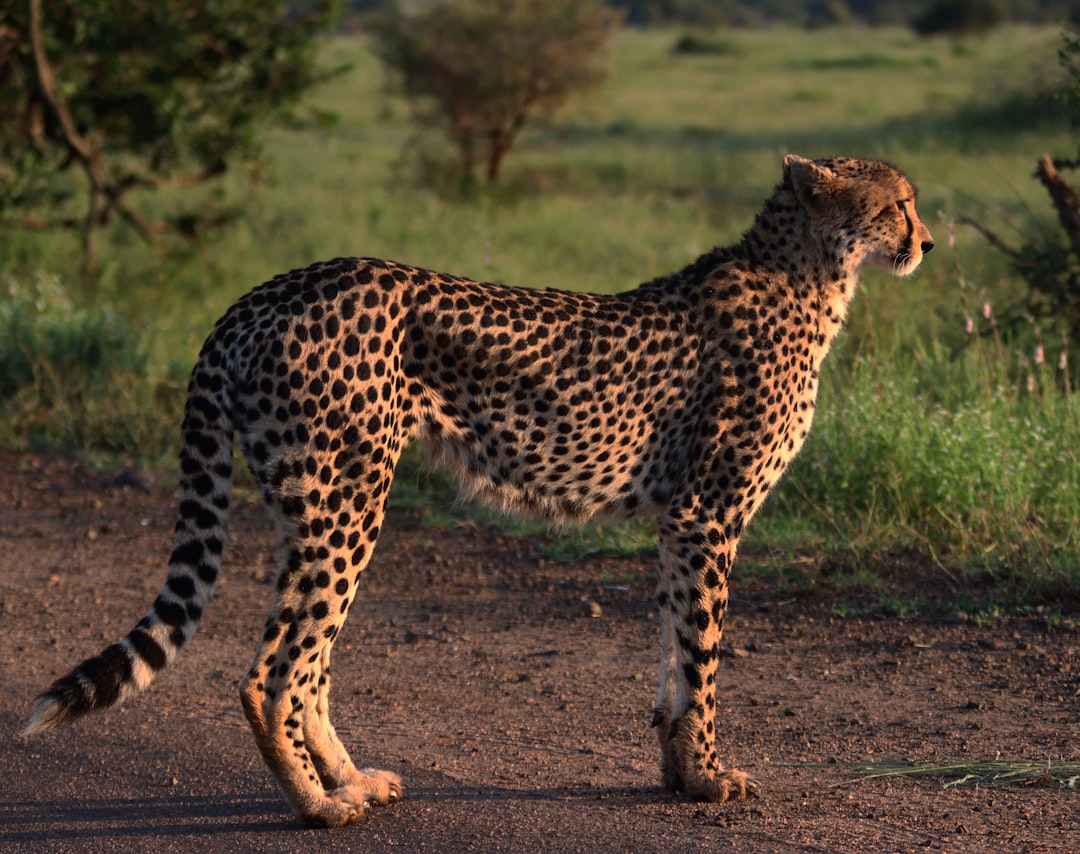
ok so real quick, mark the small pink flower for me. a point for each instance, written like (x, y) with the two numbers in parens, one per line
(987, 311)
(1031, 383)
(969, 326)
(1040, 357)
(952, 236)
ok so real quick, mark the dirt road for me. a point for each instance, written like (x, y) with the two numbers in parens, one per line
(513, 695)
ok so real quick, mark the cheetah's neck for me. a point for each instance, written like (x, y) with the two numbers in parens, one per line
(785, 261)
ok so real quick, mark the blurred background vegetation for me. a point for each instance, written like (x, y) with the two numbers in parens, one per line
(948, 429)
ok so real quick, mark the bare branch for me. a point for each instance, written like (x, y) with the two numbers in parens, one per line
(147, 231)
(990, 237)
(47, 82)
(1064, 198)
(37, 223)
(1066, 162)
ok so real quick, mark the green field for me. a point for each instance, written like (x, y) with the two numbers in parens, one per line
(960, 448)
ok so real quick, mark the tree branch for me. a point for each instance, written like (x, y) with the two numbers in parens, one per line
(77, 144)
(990, 237)
(147, 230)
(47, 82)
(37, 223)
(1064, 198)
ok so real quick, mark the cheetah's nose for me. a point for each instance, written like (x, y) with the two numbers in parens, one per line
(927, 245)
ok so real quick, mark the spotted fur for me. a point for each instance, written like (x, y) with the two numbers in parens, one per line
(685, 398)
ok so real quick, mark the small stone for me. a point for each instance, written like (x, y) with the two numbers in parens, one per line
(135, 477)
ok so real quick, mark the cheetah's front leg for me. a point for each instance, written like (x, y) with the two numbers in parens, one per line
(695, 561)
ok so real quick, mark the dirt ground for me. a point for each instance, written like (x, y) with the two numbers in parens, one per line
(513, 695)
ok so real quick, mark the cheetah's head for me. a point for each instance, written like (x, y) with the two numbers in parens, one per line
(866, 206)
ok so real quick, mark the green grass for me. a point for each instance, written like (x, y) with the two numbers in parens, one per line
(926, 438)
(78, 377)
(947, 454)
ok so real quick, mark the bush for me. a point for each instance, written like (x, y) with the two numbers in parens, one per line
(828, 13)
(40, 330)
(694, 43)
(101, 101)
(481, 70)
(960, 17)
(79, 378)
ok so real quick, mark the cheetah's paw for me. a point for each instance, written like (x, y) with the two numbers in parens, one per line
(728, 785)
(381, 787)
(349, 803)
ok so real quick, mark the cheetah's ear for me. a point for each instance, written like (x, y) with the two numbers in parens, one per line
(812, 183)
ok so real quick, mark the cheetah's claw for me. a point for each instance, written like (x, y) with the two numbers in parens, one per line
(351, 802)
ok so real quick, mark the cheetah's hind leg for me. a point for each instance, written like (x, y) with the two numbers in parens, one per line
(286, 692)
(341, 780)
(285, 698)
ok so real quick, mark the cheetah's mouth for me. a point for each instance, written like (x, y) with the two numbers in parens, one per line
(903, 263)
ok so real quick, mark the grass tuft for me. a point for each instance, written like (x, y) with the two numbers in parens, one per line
(995, 772)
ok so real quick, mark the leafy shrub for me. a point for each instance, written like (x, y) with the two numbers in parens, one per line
(960, 17)
(41, 330)
(697, 44)
(101, 101)
(481, 70)
(78, 378)
(828, 13)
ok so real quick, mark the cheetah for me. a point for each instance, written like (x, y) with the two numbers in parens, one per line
(685, 399)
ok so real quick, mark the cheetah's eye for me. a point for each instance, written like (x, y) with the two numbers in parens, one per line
(900, 206)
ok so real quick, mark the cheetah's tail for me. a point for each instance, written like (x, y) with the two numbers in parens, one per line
(128, 666)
